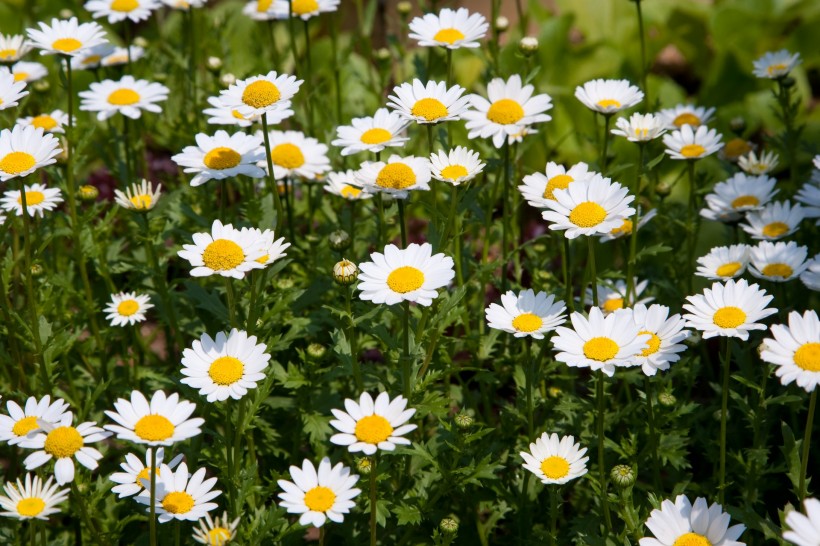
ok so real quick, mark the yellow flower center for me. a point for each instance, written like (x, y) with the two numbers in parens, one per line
(624, 229)
(728, 270)
(218, 536)
(7, 54)
(654, 343)
(144, 475)
(736, 148)
(154, 428)
(221, 158)
(222, 255)
(91, 59)
(405, 279)
(807, 356)
(557, 182)
(128, 308)
(745, 201)
(123, 97)
(124, 5)
(260, 94)
(600, 349)
(527, 322)
(775, 229)
(729, 317)
(63, 442)
(287, 155)
(778, 270)
(25, 425)
(178, 502)
(226, 370)
(449, 35)
(613, 304)
(454, 172)
(320, 499)
(692, 539)
(687, 118)
(429, 109)
(587, 214)
(775, 68)
(377, 135)
(263, 5)
(505, 112)
(303, 7)
(117, 59)
(554, 467)
(350, 192)
(66, 45)
(373, 429)
(692, 150)
(142, 201)
(17, 162)
(30, 507)
(44, 122)
(20, 76)
(396, 176)
(609, 103)
(32, 198)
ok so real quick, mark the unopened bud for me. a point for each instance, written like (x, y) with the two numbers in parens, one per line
(36, 270)
(284, 283)
(227, 79)
(663, 189)
(87, 192)
(139, 41)
(528, 45)
(404, 8)
(448, 526)
(383, 54)
(339, 240)
(463, 420)
(316, 350)
(214, 63)
(502, 23)
(738, 125)
(66, 13)
(623, 476)
(364, 465)
(345, 272)
(554, 392)
(667, 399)
(41, 86)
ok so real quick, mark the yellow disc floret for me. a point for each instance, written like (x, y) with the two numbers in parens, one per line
(608, 103)
(654, 343)
(429, 109)
(66, 45)
(554, 467)
(226, 370)
(25, 425)
(124, 5)
(221, 158)
(32, 198)
(745, 201)
(692, 151)
(728, 270)
(17, 162)
(260, 94)
(154, 428)
(396, 176)
(320, 499)
(30, 507)
(686, 118)
(303, 7)
(692, 539)
(587, 214)
(600, 349)
(128, 307)
(729, 317)
(373, 429)
(527, 322)
(178, 502)
(123, 97)
(775, 229)
(454, 172)
(223, 255)
(557, 182)
(63, 442)
(448, 35)
(377, 135)
(807, 356)
(405, 279)
(287, 155)
(778, 270)
(505, 112)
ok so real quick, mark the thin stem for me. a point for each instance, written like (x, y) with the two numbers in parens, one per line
(274, 49)
(553, 515)
(529, 372)
(727, 358)
(289, 206)
(405, 358)
(402, 223)
(229, 295)
(804, 461)
(593, 274)
(253, 304)
(308, 78)
(152, 521)
(177, 532)
(351, 335)
(430, 150)
(653, 436)
(32, 532)
(374, 467)
(322, 533)
(448, 227)
(229, 429)
(633, 238)
(380, 213)
(292, 37)
(505, 216)
(449, 67)
(601, 461)
(644, 67)
(337, 78)
(605, 147)
(567, 271)
(280, 211)
(690, 221)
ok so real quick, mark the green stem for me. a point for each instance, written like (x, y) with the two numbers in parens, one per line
(804, 461)
(529, 372)
(402, 223)
(380, 213)
(322, 534)
(601, 460)
(690, 222)
(229, 295)
(448, 227)
(274, 49)
(280, 212)
(337, 81)
(567, 271)
(292, 37)
(229, 455)
(253, 311)
(351, 335)
(308, 78)
(653, 436)
(32, 532)
(553, 515)
(633, 238)
(727, 358)
(605, 147)
(152, 521)
(126, 137)
(434, 185)
(406, 363)
(374, 467)
(593, 274)
(644, 67)
(505, 218)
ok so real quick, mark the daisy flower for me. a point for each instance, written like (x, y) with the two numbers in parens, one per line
(795, 350)
(452, 29)
(774, 221)
(32, 499)
(778, 262)
(162, 422)
(739, 194)
(274, 248)
(811, 277)
(805, 530)
(24, 150)
(372, 426)
(372, 134)
(182, 496)
(13, 47)
(226, 367)
(294, 154)
(184, 5)
(135, 472)
(430, 103)
(626, 228)
(809, 196)
(15, 427)
(689, 144)
(140, 196)
(258, 94)
(304, 9)
(92, 57)
(345, 184)
(222, 115)
(686, 114)
(526, 314)
(555, 459)
(127, 96)
(538, 188)
(259, 10)
(724, 262)
(218, 531)
(411, 274)
(225, 251)
(608, 96)
(459, 165)
(639, 127)
(62, 441)
(127, 308)
(509, 109)
(611, 296)
(600, 342)
(11, 90)
(397, 178)
(49, 123)
(28, 72)
(119, 56)
(319, 496)
(120, 10)
(681, 522)
(732, 309)
(66, 37)
(751, 164)
(592, 207)
(222, 156)
(666, 334)
(775, 65)
(38, 199)
(736, 148)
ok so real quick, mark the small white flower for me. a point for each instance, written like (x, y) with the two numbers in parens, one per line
(92, 57)
(590, 207)
(225, 251)
(811, 277)
(724, 262)
(127, 308)
(218, 531)
(690, 145)
(777, 64)
(23, 150)
(67, 37)
(804, 530)
(294, 154)
(732, 309)
(162, 422)
(141, 196)
(795, 350)
(135, 472)
(428, 103)
(611, 296)
(304, 9)
(222, 156)
(49, 123)
(686, 114)
(526, 314)
(127, 96)
(372, 134)
(119, 56)
(751, 164)
(182, 496)
(555, 459)
(778, 262)
(608, 96)
(13, 47)
(774, 221)
(666, 334)
(639, 127)
(452, 29)
(274, 248)
(28, 72)
(38, 200)
(254, 96)
(738, 194)
(319, 496)
(456, 167)
(32, 499)
(15, 427)
(809, 196)
(120, 10)
(539, 188)
(682, 523)
(345, 184)
(369, 426)
(397, 178)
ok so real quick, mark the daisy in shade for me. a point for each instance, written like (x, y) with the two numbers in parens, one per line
(67, 37)
(319, 496)
(775, 65)
(38, 200)
(135, 473)
(50, 123)
(294, 154)
(23, 150)
(809, 197)
(666, 334)
(222, 156)
(811, 277)
(119, 56)
(220, 114)
(127, 308)
(28, 72)
(555, 459)
(372, 134)
(397, 178)
(592, 207)
(778, 262)
(11, 90)
(608, 96)
(741, 193)
(303, 9)
(345, 184)
(526, 314)
(225, 251)
(751, 164)
(805, 530)
(538, 188)
(92, 58)
(32, 499)
(795, 350)
(611, 296)
(430, 103)
(692, 144)
(127, 96)
(13, 47)
(724, 262)
(507, 112)
(142, 196)
(774, 221)
(218, 531)
(162, 422)
(15, 427)
(64, 442)
(452, 29)
(600, 342)
(735, 148)
(682, 523)
(226, 367)
(274, 248)
(639, 127)
(626, 228)
(180, 495)
(732, 309)
(120, 10)
(456, 167)
(412, 274)
(370, 426)
(256, 95)
(686, 114)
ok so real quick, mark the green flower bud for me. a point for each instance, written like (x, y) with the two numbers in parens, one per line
(364, 465)
(623, 476)
(502, 24)
(463, 420)
(448, 526)
(667, 399)
(88, 192)
(528, 45)
(36, 270)
(316, 351)
(345, 272)
(339, 240)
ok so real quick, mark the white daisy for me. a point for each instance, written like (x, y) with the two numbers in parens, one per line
(732, 309)
(66, 37)
(304, 9)
(751, 164)
(608, 96)
(135, 473)
(162, 422)
(218, 531)
(724, 262)
(626, 228)
(555, 459)
(397, 178)
(319, 496)
(428, 103)
(15, 427)
(611, 295)
(775, 64)
(28, 72)
(222, 115)
(452, 29)
(256, 95)
(600, 342)
(412, 274)
(222, 156)
(127, 96)
(225, 251)
(259, 10)
(795, 350)
(140, 196)
(666, 334)
(345, 184)
(119, 56)
(639, 127)
(689, 144)
(13, 47)
(538, 188)
(804, 530)
(120, 10)
(740, 193)
(182, 496)
(38, 199)
(372, 134)
(369, 426)
(459, 165)
(686, 114)
(590, 207)
(778, 262)
(32, 499)
(526, 314)
(24, 150)
(49, 123)
(92, 57)
(127, 308)
(274, 248)
(11, 90)
(682, 523)
(294, 154)
(774, 221)
(184, 5)
(811, 277)
(809, 196)
(62, 441)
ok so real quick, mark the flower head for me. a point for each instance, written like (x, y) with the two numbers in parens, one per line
(23, 150)
(369, 426)
(691, 144)
(666, 334)
(397, 177)
(182, 496)
(15, 427)
(686, 114)
(592, 207)
(163, 421)
(120, 10)
(555, 459)
(27, 72)
(67, 37)
(127, 308)
(294, 154)
(303, 9)
(32, 499)
(49, 122)
(457, 166)
(724, 262)
(526, 314)
(135, 472)
(319, 495)
(775, 64)
(778, 262)
(682, 523)
(256, 95)
(608, 96)
(345, 184)
(38, 200)
(751, 164)
(13, 47)
(222, 156)
(732, 309)
(127, 96)
(738, 194)
(140, 196)
(225, 251)
(639, 127)
(428, 103)
(774, 221)
(218, 531)
(538, 188)
(795, 350)
(412, 274)
(372, 134)
(452, 29)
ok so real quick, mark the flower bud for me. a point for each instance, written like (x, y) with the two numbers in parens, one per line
(227, 79)
(139, 41)
(623, 476)
(345, 272)
(502, 24)
(448, 526)
(738, 125)
(663, 189)
(339, 240)
(554, 392)
(284, 283)
(383, 54)
(364, 465)
(214, 64)
(667, 399)
(41, 86)
(87, 192)
(36, 270)
(463, 420)
(528, 45)
(404, 8)
(66, 13)
(316, 350)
